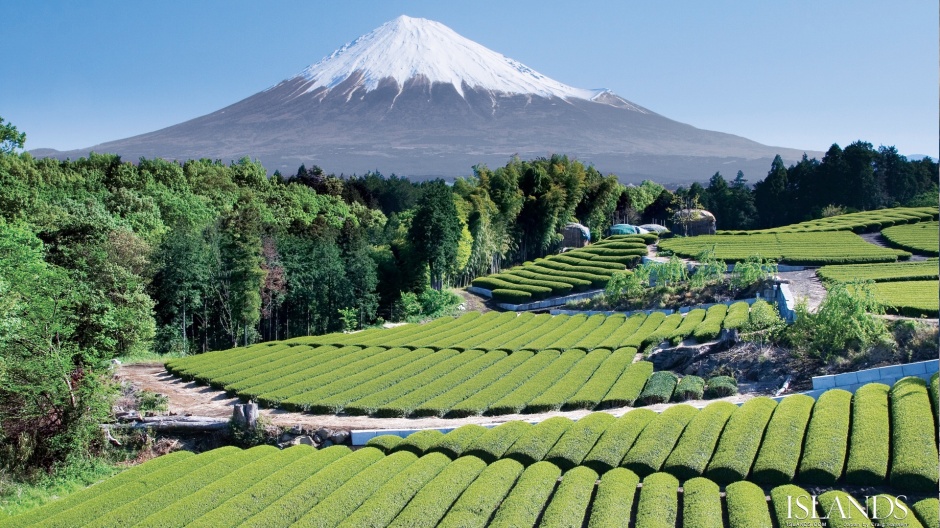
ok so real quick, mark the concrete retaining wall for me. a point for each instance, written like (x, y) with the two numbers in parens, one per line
(548, 303)
(482, 292)
(786, 303)
(851, 381)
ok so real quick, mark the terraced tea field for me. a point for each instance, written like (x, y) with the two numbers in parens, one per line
(495, 363)
(904, 288)
(919, 238)
(910, 298)
(573, 271)
(863, 222)
(891, 272)
(796, 248)
(555, 473)
(865, 439)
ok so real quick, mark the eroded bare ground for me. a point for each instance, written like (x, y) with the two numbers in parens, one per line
(201, 400)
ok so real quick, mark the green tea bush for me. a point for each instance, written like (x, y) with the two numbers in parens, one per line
(431, 503)
(701, 504)
(535, 443)
(840, 501)
(385, 504)
(527, 499)
(689, 388)
(454, 443)
(570, 502)
(870, 436)
(779, 453)
(659, 388)
(696, 446)
(740, 441)
(384, 442)
(493, 444)
(913, 434)
(927, 512)
(613, 502)
(657, 440)
(617, 439)
(578, 440)
(827, 438)
(659, 502)
(747, 506)
(720, 387)
(480, 500)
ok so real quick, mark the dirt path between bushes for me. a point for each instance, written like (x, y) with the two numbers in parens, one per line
(805, 285)
(201, 400)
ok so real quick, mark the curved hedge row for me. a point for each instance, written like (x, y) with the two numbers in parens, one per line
(797, 248)
(613, 502)
(747, 506)
(916, 238)
(433, 500)
(697, 443)
(913, 436)
(493, 444)
(701, 504)
(301, 486)
(603, 380)
(535, 443)
(527, 499)
(861, 222)
(484, 400)
(659, 388)
(740, 441)
(659, 501)
(578, 439)
(870, 438)
(628, 386)
(657, 440)
(617, 440)
(578, 269)
(571, 500)
(389, 500)
(484, 495)
(710, 327)
(737, 315)
(779, 453)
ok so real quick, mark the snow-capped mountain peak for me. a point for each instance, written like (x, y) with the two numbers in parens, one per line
(407, 47)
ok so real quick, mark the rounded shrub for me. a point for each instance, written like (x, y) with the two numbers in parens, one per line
(720, 387)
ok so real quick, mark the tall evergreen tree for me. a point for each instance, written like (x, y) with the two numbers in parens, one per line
(435, 230)
(771, 196)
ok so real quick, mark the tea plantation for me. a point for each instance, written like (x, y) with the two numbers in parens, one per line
(495, 363)
(904, 288)
(795, 248)
(573, 271)
(663, 469)
(917, 238)
(862, 222)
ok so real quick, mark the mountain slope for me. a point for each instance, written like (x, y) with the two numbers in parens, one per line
(415, 98)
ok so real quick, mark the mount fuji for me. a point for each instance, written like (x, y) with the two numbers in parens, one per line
(416, 99)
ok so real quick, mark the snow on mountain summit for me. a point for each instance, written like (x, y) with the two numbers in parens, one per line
(407, 47)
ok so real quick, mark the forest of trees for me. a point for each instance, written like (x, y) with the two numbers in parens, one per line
(102, 258)
(858, 178)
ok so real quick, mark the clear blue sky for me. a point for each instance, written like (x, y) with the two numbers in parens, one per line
(800, 74)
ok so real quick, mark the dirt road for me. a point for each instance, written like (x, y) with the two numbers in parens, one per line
(201, 400)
